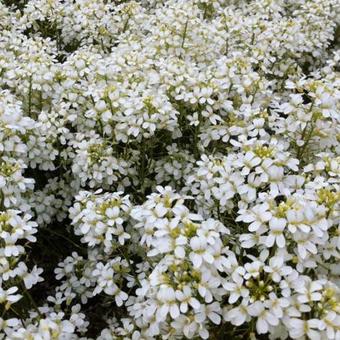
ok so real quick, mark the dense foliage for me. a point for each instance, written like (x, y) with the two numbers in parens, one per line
(169, 169)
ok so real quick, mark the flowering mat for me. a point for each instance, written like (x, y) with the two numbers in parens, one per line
(169, 169)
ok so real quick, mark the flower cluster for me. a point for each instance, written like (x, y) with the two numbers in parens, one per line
(169, 169)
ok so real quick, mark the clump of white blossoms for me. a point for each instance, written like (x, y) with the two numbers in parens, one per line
(169, 169)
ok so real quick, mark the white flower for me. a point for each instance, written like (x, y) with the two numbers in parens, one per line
(276, 305)
(276, 232)
(8, 297)
(330, 324)
(211, 311)
(236, 289)
(33, 277)
(309, 292)
(277, 269)
(248, 162)
(265, 318)
(299, 328)
(200, 251)
(257, 217)
(238, 315)
(186, 299)
(188, 150)
(168, 305)
(253, 269)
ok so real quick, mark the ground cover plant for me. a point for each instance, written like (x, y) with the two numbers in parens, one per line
(169, 169)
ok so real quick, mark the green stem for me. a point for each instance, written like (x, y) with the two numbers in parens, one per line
(30, 97)
(196, 150)
(126, 24)
(64, 237)
(143, 166)
(126, 257)
(205, 11)
(18, 315)
(31, 299)
(2, 200)
(184, 32)
(306, 139)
